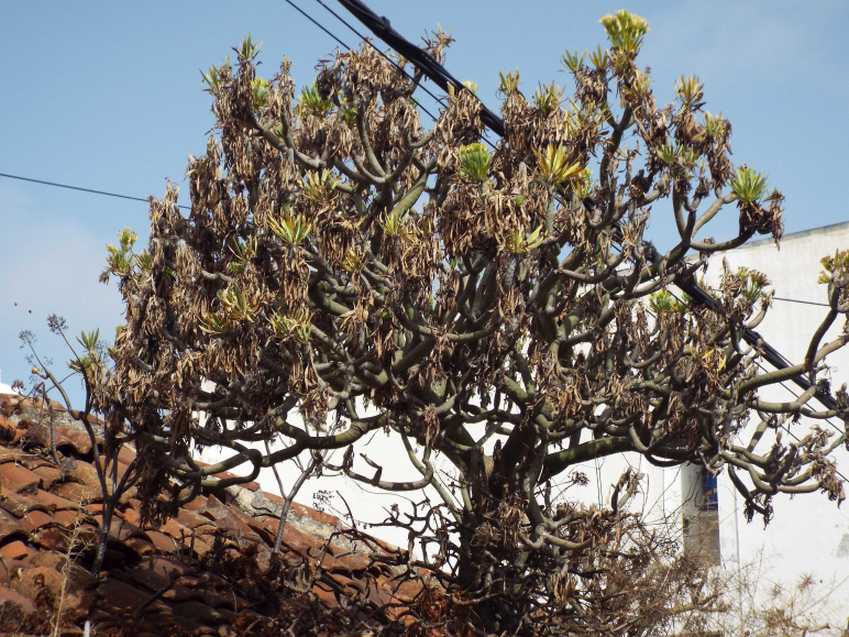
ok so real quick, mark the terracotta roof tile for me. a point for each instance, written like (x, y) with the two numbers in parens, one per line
(51, 502)
(200, 572)
(48, 473)
(68, 440)
(15, 550)
(17, 478)
(142, 546)
(9, 430)
(36, 519)
(50, 538)
(7, 406)
(162, 542)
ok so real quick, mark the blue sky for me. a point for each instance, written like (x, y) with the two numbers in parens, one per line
(108, 95)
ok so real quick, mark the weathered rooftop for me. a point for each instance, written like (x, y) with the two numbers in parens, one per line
(209, 570)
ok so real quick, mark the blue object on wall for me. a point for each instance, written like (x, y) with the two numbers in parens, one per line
(710, 493)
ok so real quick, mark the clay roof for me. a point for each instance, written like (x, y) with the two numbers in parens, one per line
(209, 570)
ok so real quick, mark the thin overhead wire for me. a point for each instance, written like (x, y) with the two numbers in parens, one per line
(788, 300)
(795, 395)
(790, 390)
(379, 51)
(382, 28)
(92, 191)
(348, 48)
(118, 195)
(784, 383)
(453, 80)
(437, 98)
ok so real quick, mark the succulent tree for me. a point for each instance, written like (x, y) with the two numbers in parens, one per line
(346, 268)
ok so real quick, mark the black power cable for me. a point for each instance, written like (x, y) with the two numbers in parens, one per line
(439, 100)
(348, 48)
(382, 28)
(381, 53)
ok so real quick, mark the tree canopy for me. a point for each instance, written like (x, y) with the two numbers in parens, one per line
(346, 267)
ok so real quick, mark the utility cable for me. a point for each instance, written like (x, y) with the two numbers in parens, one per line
(781, 383)
(798, 440)
(380, 52)
(382, 28)
(93, 191)
(106, 193)
(348, 48)
(787, 300)
(118, 195)
(318, 24)
(438, 99)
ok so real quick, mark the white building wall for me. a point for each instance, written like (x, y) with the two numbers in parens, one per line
(809, 533)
